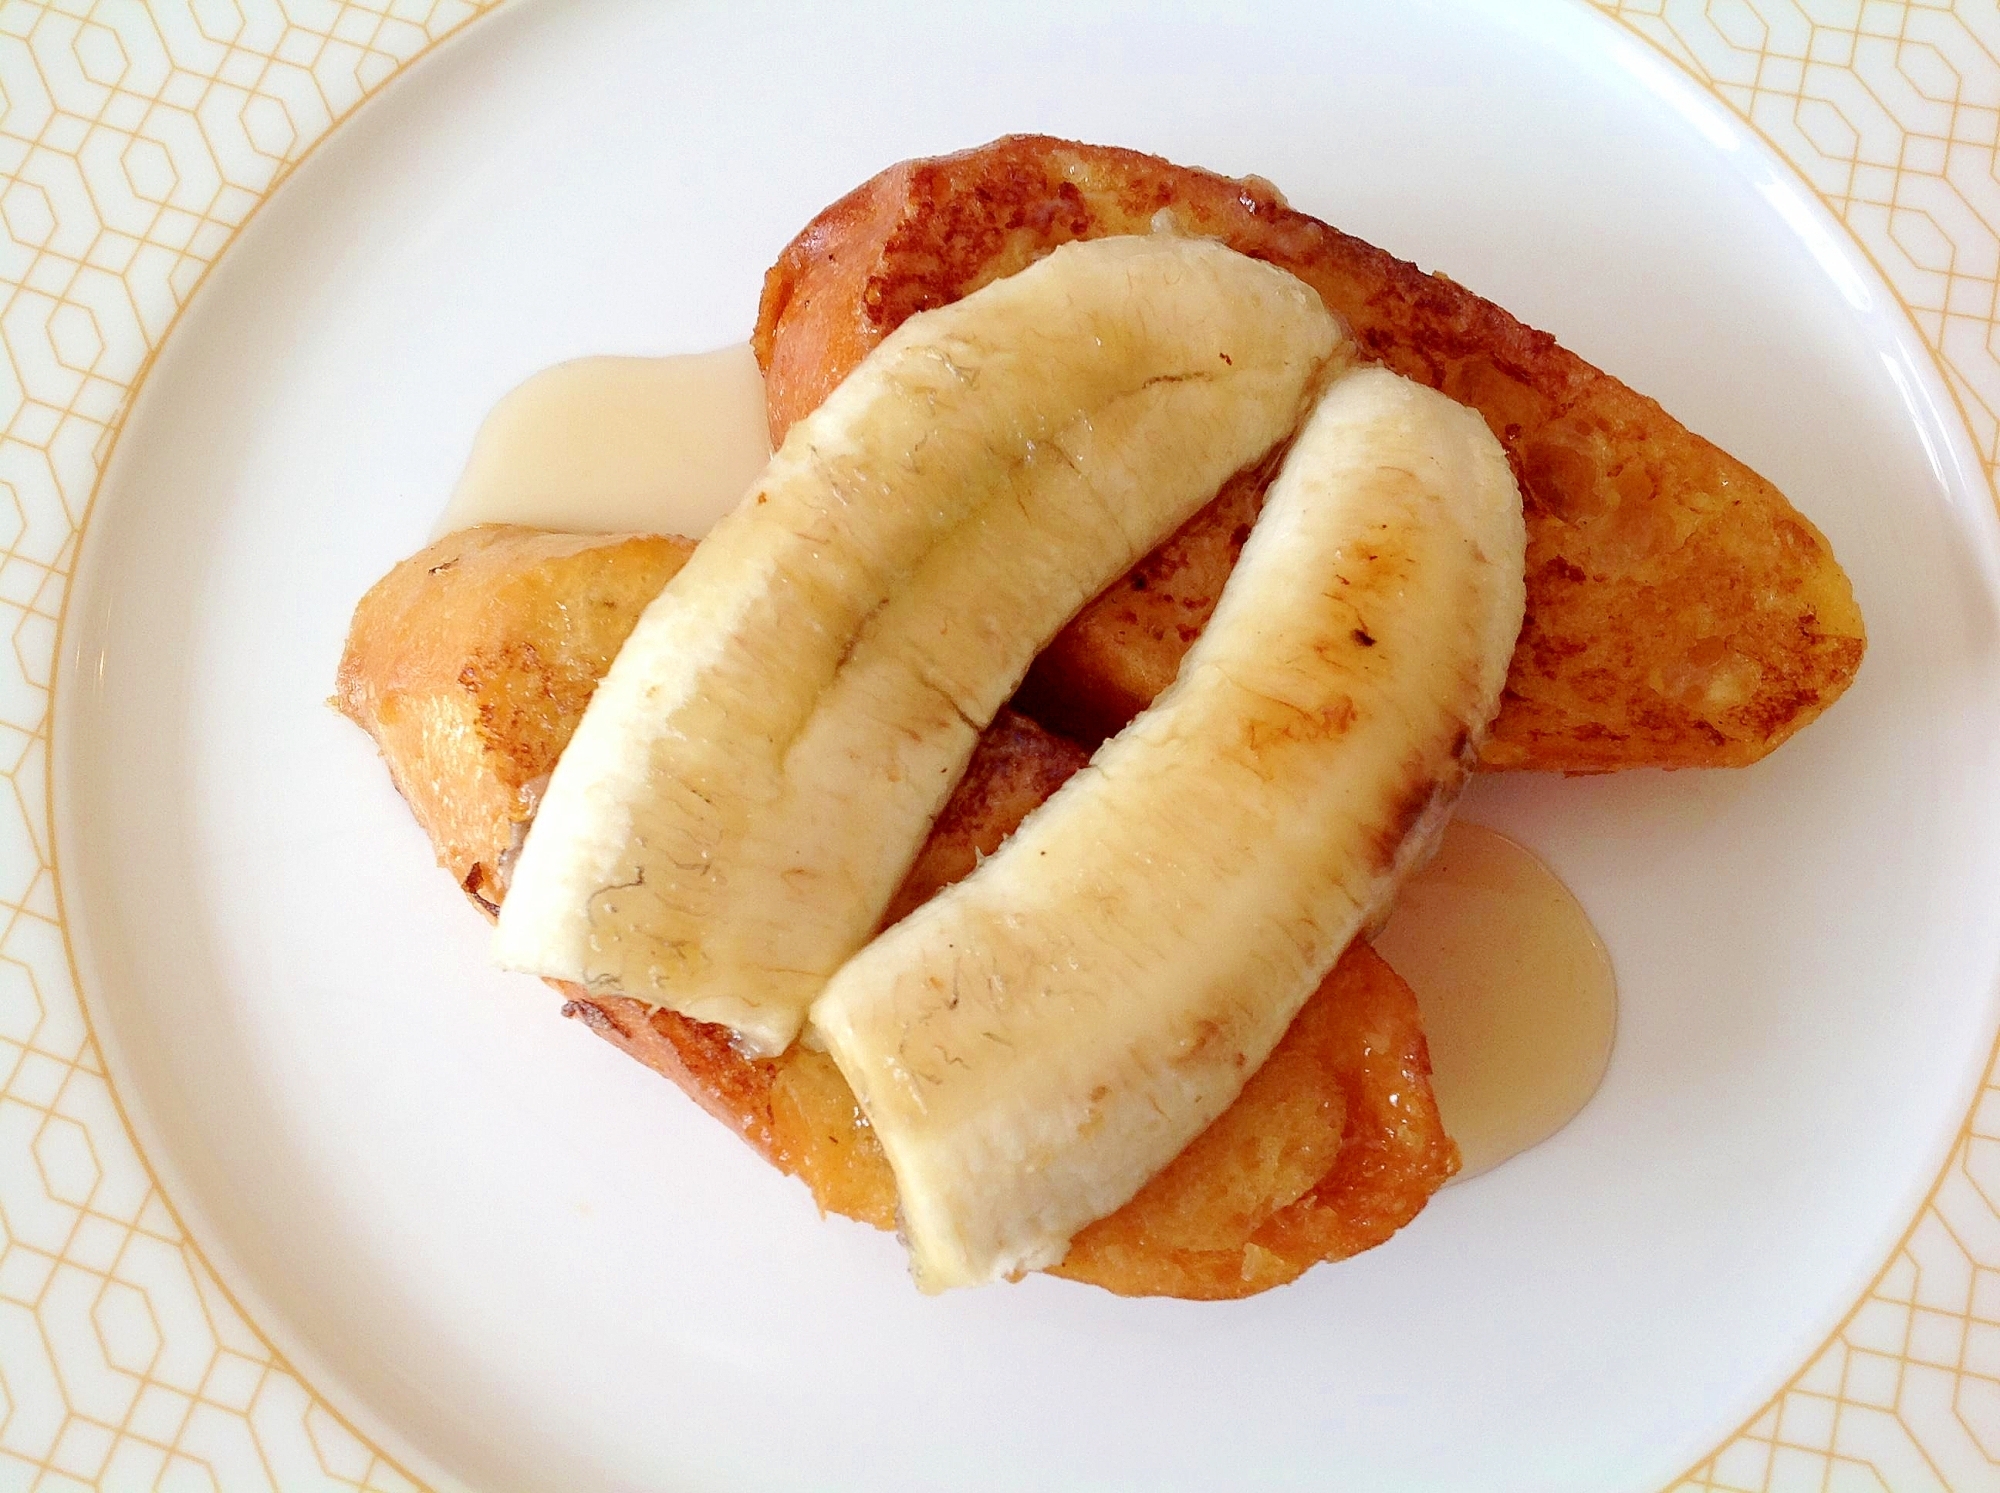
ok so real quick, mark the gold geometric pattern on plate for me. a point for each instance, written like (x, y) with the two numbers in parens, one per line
(136, 139)
(1890, 112)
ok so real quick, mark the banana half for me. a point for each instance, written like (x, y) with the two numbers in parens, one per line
(1041, 1038)
(762, 761)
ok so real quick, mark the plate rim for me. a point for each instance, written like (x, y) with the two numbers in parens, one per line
(1675, 83)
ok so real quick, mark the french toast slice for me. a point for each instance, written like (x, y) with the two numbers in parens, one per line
(1681, 613)
(471, 662)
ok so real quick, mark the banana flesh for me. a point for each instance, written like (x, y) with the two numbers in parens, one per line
(1041, 1038)
(762, 761)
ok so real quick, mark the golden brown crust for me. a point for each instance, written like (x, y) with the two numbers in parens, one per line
(1127, 644)
(1681, 613)
(1335, 1144)
(1332, 1146)
(1016, 765)
(698, 1057)
(1300, 1169)
(471, 661)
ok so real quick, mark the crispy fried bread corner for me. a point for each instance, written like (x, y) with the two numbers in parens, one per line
(1681, 613)
(470, 664)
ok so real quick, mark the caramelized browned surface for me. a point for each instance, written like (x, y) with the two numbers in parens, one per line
(1332, 1146)
(471, 663)
(1681, 613)
(1016, 765)
(1126, 646)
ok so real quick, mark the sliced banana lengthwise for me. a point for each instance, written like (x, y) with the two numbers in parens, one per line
(762, 761)
(1041, 1038)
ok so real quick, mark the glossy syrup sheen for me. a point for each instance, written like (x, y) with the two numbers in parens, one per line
(619, 446)
(1516, 989)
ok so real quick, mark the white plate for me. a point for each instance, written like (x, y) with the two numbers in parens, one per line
(525, 1262)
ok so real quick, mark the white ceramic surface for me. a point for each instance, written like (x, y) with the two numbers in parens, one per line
(514, 1253)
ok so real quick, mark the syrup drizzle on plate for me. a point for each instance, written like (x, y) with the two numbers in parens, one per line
(1516, 989)
(619, 446)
